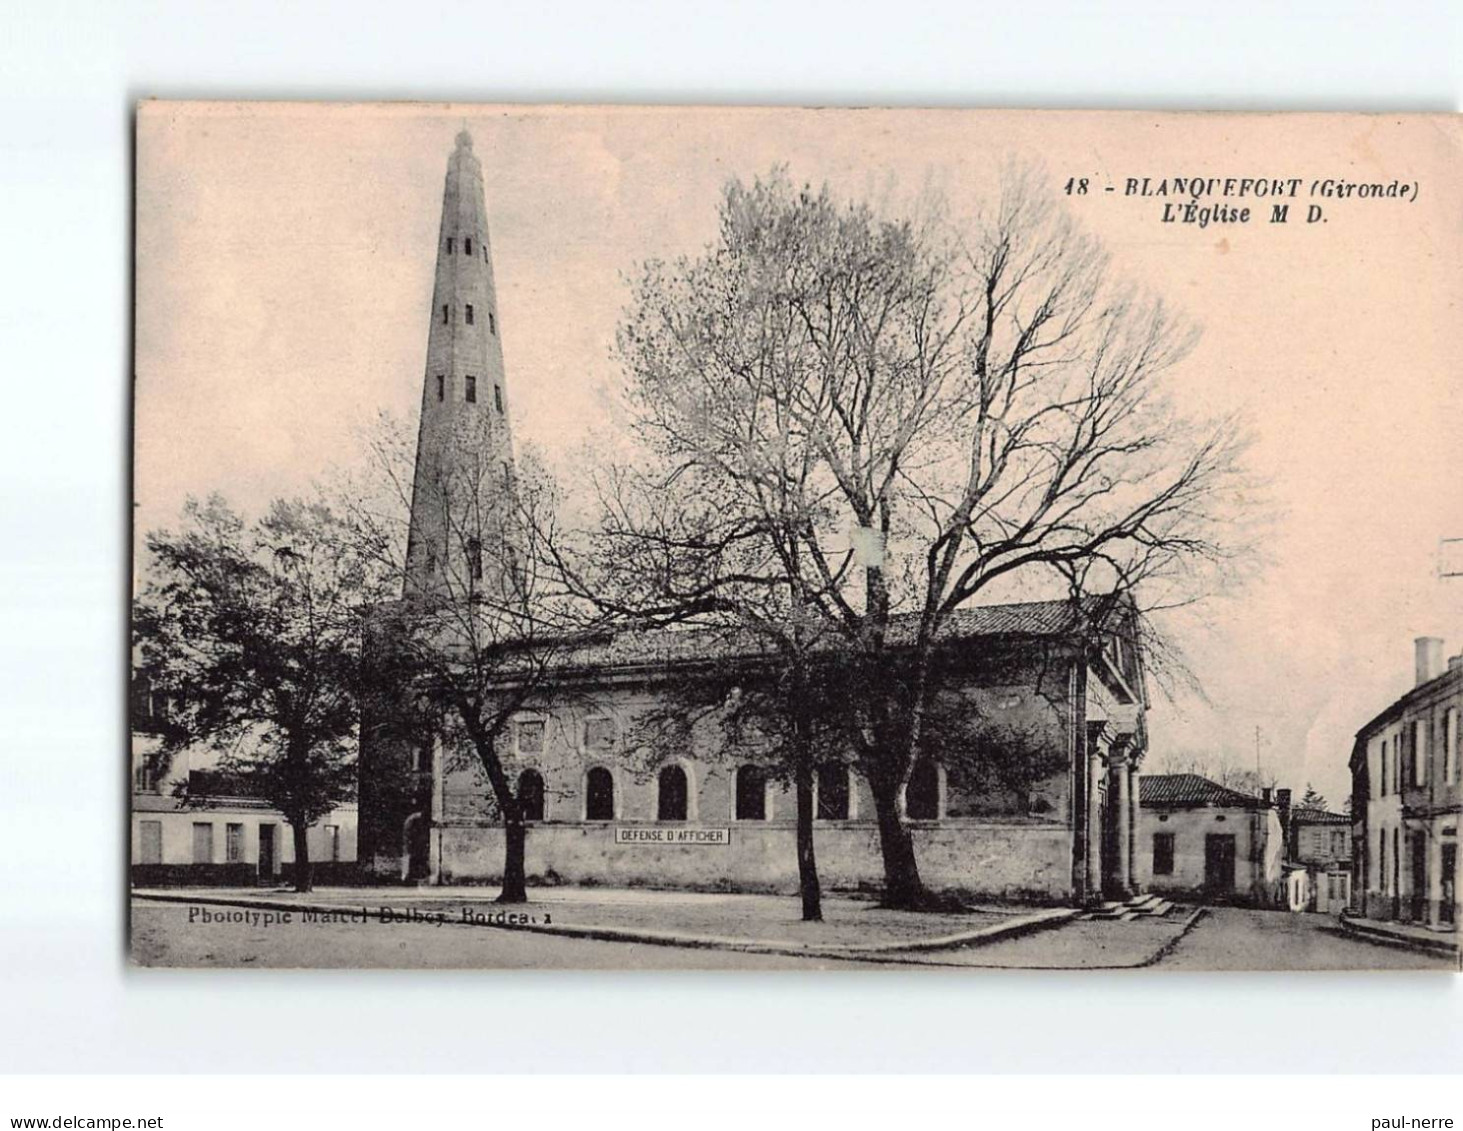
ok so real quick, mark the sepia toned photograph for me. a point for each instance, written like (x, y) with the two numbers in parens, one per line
(576, 537)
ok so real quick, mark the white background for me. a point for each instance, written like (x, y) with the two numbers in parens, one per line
(68, 77)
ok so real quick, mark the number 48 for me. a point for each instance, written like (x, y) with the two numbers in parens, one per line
(1076, 186)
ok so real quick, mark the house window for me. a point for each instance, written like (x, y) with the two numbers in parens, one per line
(673, 795)
(531, 795)
(475, 559)
(142, 779)
(152, 842)
(599, 795)
(1338, 842)
(530, 736)
(450, 245)
(751, 794)
(599, 733)
(1163, 854)
(446, 314)
(203, 842)
(1383, 792)
(1450, 746)
(833, 792)
(471, 390)
(468, 314)
(492, 322)
(332, 843)
(441, 387)
(922, 794)
(234, 843)
(1419, 752)
(467, 245)
(498, 397)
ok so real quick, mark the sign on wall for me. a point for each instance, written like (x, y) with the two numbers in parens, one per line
(673, 836)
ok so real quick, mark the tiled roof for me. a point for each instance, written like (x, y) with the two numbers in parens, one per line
(1189, 789)
(1309, 816)
(657, 646)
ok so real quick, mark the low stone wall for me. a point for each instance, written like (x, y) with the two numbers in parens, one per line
(195, 875)
(1010, 860)
(330, 872)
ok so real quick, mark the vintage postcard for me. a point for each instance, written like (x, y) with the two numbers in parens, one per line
(752, 538)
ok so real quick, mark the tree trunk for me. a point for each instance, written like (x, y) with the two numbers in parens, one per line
(515, 884)
(302, 856)
(808, 885)
(903, 888)
(515, 832)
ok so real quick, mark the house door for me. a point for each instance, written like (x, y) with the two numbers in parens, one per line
(266, 852)
(1219, 865)
(1449, 884)
(1419, 877)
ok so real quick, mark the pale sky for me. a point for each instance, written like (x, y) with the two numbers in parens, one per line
(284, 273)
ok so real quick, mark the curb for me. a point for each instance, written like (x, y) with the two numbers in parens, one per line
(1020, 925)
(1169, 947)
(1448, 947)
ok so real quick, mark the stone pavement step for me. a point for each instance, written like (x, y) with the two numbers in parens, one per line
(1401, 934)
(1148, 906)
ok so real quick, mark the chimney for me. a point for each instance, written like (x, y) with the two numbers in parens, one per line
(1429, 651)
(1455, 663)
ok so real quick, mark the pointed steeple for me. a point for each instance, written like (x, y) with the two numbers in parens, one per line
(464, 444)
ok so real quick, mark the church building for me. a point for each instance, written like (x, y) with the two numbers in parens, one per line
(709, 815)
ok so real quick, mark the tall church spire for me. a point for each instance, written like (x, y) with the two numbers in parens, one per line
(464, 463)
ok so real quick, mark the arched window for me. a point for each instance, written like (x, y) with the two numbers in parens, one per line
(673, 794)
(531, 795)
(599, 795)
(922, 794)
(833, 792)
(751, 794)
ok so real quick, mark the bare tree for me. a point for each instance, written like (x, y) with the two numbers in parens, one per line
(483, 622)
(869, 422)
(773, 700)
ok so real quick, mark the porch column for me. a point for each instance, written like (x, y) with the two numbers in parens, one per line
(1135, 812)
(1434, 877)
(1095, 743)
(1121, 771)
(434, 835)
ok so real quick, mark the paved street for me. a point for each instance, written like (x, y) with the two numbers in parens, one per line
(162, 936)
(1224, 939)
(1230, 938)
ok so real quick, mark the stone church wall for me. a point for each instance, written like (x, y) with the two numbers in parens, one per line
(1001, 860)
